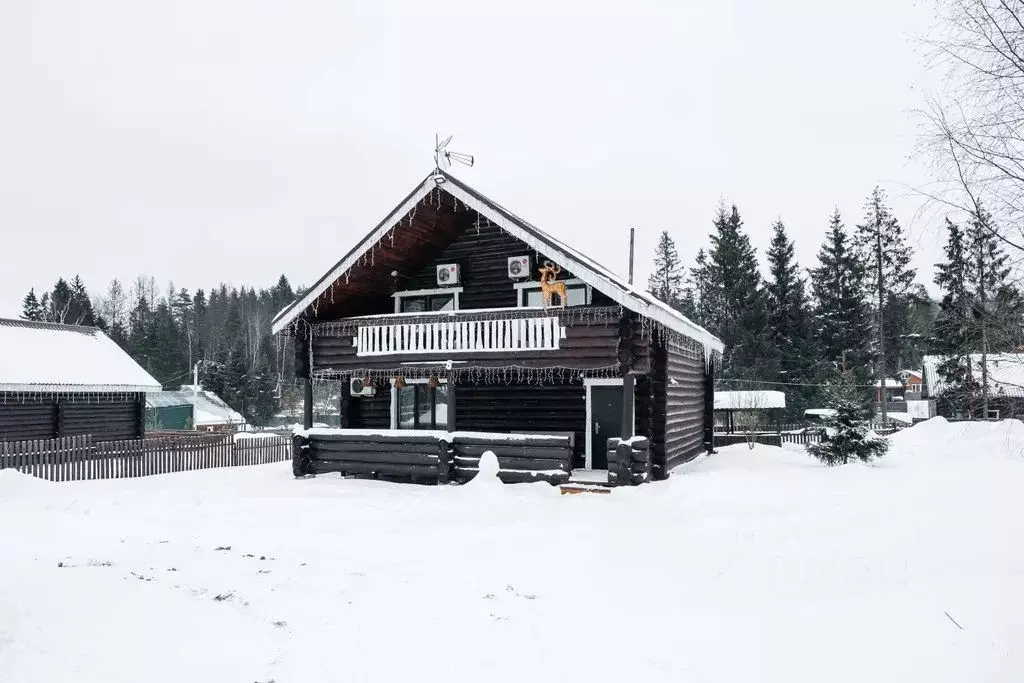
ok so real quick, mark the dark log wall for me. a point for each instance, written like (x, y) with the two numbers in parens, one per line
(369, 412)
(524, 408)
(106, 418)
(483, 263)
(678, 407)
(27, 418)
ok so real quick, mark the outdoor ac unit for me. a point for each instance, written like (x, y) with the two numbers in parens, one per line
(357, 388)
(518, 267)
(447, 274)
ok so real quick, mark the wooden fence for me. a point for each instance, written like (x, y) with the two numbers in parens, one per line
(79, 457)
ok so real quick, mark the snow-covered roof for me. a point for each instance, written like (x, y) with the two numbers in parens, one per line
(208, 409)
(583, 267)
(824, 412)
(890, 383)
(1005, 373)
(49, 357)
(749, 400)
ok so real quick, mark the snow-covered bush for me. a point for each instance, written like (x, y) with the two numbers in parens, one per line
(848, 434)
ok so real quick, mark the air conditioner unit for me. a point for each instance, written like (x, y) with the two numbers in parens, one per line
(518, 267)
(357, 388)
(447, 274)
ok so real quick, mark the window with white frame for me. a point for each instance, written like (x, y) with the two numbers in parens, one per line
(417, 405)
(530, 295)
(427, 300)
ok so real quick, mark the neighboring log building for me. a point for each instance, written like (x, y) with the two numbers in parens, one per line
(435, 322)
(66, 380)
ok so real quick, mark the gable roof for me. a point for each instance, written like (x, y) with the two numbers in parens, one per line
(207, 407)
(1005, 373)
(583, 267)
(49, 357)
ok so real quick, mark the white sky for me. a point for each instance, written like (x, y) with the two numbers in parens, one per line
(232, 141)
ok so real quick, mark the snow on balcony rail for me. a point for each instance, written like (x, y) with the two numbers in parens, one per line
(467, 336)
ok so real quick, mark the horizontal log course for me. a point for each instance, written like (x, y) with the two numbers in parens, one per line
(384, 439)
(371, 468)
(530, 442)
(378, 458)
(515, 463)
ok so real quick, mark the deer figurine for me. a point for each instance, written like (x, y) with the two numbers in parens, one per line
(550, 285)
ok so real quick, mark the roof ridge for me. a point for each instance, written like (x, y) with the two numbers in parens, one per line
(46, 325)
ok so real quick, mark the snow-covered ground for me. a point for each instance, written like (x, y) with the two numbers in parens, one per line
(746, 566)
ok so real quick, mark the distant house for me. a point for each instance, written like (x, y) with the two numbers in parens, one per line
(192, 408)
(67, 380)
(913, 383)
(1005, 377)
(893, 390)
(742, 409)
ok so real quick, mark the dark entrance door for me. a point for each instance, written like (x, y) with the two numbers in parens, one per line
(605, 423)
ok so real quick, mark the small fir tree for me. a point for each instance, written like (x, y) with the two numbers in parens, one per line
(31, 309)
(848, 431)
(666, 282)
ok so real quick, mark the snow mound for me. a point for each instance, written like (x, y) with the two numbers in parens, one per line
(938, 439)
(487, 473)
(14, 484)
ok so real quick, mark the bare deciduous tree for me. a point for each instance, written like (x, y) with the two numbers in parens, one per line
(974, 128)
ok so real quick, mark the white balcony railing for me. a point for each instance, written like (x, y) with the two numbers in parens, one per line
(471, 336)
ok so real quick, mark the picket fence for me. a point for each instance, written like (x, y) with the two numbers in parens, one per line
(78, 458)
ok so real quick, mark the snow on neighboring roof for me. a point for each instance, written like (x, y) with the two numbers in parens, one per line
(208, 409)
(584, 268)
(749, 400)
(1005, 373)
(49, 357)
(890, 383)
(911, 373)
(824, 412)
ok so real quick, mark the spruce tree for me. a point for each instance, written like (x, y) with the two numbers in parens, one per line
(80, 310)
(738, 313)
(31, 309)
(841, 314)
(847, 428)
(885, 253)
(666, 281)
(789, 322)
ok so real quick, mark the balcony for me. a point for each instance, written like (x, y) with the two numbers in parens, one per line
(512, 335)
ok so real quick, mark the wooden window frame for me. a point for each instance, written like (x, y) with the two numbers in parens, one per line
(418, 381)
(530, 285)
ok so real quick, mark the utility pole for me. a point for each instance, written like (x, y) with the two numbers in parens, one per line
(632, 242)
(628, 380)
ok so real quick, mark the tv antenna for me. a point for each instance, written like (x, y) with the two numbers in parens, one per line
(443, 158)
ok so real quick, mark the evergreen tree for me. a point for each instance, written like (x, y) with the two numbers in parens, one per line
(666, 282)
(737, 312)
(789, 322)
(80, 310)
(59, 301)
(841, 313)
(886, 256)
(847, 428)
(703, 290)
(31, 309)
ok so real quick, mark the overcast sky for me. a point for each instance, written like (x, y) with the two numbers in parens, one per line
(206, 141)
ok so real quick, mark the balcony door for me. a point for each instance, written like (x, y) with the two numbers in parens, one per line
(420, 406)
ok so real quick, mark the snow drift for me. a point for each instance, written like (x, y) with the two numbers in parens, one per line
(748, 565)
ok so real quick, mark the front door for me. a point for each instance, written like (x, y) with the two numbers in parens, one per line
(605, 423)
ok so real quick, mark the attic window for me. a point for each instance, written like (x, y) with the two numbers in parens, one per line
(530, 296)
(427, 300)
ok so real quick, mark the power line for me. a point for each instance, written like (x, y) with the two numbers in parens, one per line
(793, 384)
